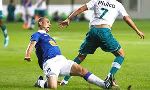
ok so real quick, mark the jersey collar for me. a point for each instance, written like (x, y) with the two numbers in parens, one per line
(41, 31)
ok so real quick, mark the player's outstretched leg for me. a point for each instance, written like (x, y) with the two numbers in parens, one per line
(116, 65)
(6, 37)
(78, 60)
(77, 70)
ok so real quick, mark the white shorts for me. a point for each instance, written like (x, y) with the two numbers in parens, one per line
(28, 10)
(58, 65)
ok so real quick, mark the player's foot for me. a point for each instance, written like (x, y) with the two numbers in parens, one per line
(6, 41)
(112, 81)
(37, 84)
(25, 26)
(63, 82)
(108, 83)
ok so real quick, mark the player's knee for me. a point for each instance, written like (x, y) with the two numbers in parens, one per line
(119, 53)
(52, 86)
(122, 53)
(83, 71)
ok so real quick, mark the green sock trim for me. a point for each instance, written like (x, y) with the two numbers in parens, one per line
(119, 60)
(77, 60)
(66, 78)
(113, 70)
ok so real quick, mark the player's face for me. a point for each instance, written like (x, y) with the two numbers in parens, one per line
(46, 24)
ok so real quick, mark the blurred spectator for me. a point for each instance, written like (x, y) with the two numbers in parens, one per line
(19, 17)
(63, 16)
(82, 17)
(41, 9)
(55, 16)
(28, 14)
(11, 9)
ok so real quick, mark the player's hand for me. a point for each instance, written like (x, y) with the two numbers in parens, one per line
(64, 23)
(141, 34)
(27, 59)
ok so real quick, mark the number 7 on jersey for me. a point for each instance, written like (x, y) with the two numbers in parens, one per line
(104, 12)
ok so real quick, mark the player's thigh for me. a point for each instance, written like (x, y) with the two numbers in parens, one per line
(108, 42)
(51, 67)
(89, 45)
(52, 81)
(77, 70)
(30, 11)
(72, 68)
(66, 69)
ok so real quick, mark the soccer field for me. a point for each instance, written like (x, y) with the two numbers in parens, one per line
(17, 74)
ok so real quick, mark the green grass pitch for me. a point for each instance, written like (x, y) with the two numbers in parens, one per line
(17, 74)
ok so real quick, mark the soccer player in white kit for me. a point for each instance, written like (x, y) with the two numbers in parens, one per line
(28, 14)
(3, 27)
(99, 35)
(41, 9)
(52, 62)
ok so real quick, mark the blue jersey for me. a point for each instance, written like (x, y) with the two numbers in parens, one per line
(46, 47)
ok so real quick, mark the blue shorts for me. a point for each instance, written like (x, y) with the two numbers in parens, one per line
(99, 37)
(1, 15)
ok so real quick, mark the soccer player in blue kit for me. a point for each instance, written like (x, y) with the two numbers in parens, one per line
(99, 35)
(52, 62)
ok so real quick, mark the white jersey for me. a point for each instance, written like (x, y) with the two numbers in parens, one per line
(42, 6)
(1, 5)
(105, 11)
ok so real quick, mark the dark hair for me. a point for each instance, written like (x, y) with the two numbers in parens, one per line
(40, 20)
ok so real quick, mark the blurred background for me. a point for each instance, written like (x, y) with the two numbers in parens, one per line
(59, 9)
(20, 18)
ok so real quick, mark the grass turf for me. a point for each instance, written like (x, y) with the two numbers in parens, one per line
(17, 74)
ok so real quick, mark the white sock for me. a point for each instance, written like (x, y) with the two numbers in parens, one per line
(96, 80)
(41, 83)
(109, 74)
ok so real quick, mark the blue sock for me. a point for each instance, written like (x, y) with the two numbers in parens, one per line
(87, 76)
(116, 64)
(66, 78)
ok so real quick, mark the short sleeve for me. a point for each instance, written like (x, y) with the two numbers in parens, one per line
(35, 37)
(122, 10)
(91, 4)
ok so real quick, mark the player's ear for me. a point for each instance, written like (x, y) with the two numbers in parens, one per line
(40, 23)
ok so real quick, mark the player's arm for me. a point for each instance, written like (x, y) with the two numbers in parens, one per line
(40, 3)
(28, 2)
(73, 14)
(129, 21)
(29, 50)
